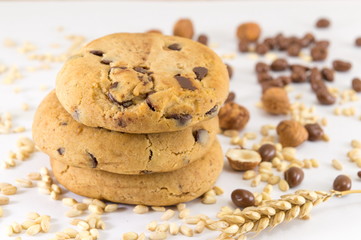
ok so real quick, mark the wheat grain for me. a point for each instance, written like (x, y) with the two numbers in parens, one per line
(111, 208)
(152, 226)
(158, 236)
(186, 231)
(181, 206)
(168, 215)
(130, 236)
(337, 164)
(9, 190)
(184, 213)
(162, 227)
(4, 200)
(33, 230)
(140, 209)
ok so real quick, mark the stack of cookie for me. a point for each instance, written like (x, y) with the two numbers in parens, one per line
(133, 120)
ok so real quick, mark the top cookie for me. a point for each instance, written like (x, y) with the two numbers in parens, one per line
(143, 83)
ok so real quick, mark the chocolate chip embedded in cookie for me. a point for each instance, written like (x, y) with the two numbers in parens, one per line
(143, 83)
(98, 148)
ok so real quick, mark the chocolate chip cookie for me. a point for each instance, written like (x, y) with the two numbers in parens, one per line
(142, 83)
(57, 134)
(157, 189)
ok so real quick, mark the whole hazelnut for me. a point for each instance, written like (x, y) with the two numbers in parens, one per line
(249, 31)
(291, 133)
(183, 28)
(275, 101)
(233, 116)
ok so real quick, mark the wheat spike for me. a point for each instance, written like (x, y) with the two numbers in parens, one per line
(271, 213)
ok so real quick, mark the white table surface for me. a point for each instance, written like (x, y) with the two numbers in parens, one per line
(37, 22)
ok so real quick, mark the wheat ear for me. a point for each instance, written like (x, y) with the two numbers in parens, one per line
(234, 224)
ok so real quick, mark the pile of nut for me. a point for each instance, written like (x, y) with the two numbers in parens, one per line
(257, 163)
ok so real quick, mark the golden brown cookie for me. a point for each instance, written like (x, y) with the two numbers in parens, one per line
(156, 189)
(143, 83)
(57, 134)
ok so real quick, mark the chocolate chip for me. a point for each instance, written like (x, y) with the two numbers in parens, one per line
(279, 64)
(358, 42)
(294, 50)
(63, 123)
(243, 46)
(264, 77)
(359, 174)
(212, 111)
(203, 39)
(315, 131)
(322, 43)
(200, 72)
(230, 70)
(125, 104)
(316, 80)
(61, 151)
(142, 70)
(113, 85)
(325, 97)
(94, 162)
(341, 66)
(175, 47)
(243, 198)
(323, 23)
(231, 97)
(150, 154)
(267, 152)
(105, 61)
(356, 84)
(328, 74)
(298, 76)
(182, 119)
(201, 136)
(319, 53)
(185, 83)
(284, 79)
(97, 53)
(261, 67)
(315, 75)
(317, 85)
(342, 183)
(294, 40)
(122, 123)
(295, 67)
(122, 67)
(150, 105)
(270, 42)
(283, 43)
(307, 40)
(261, 49)
(270, 84)
(294, 176)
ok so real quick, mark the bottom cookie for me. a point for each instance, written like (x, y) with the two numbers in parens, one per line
(157, 189)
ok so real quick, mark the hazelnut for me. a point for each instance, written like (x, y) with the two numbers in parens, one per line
(233, 116)
(243, 159)
(249, 31)
(275, 101)
(183, 28)
(291, 133)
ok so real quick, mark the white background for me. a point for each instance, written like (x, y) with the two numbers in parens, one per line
(37, 22)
